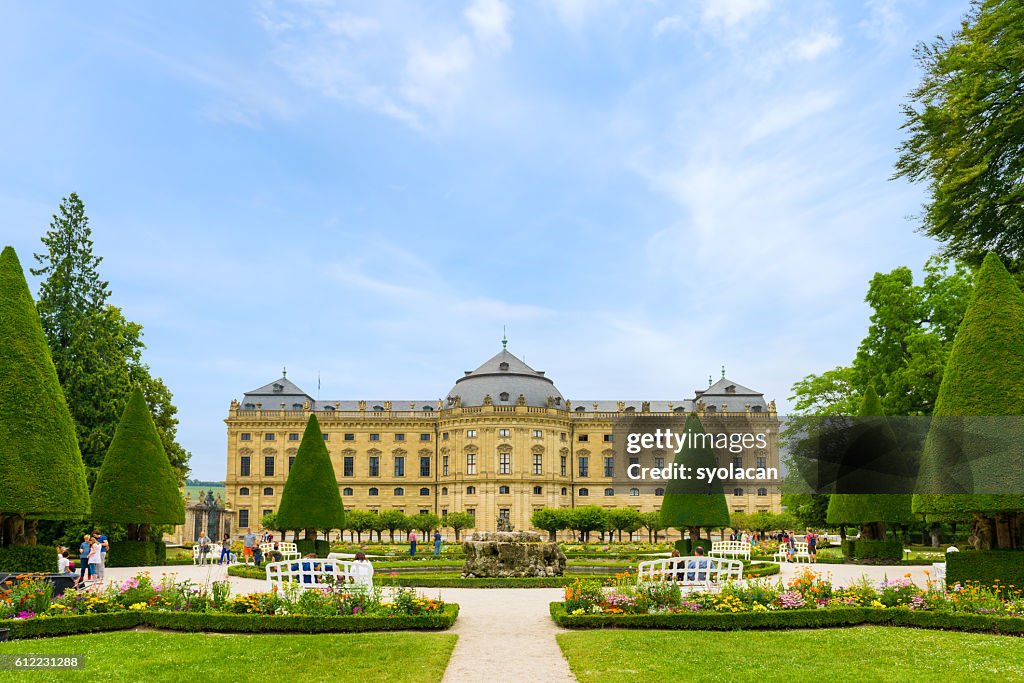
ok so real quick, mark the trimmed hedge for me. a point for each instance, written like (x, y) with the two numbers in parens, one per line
(131, 554)
(28, 558)
(320, 548)
(849, 547)
(787, 619)
(227, 623)
(1005, 567)
(160, 551)
(882, 551)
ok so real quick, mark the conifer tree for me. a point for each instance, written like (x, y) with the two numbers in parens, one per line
(692, 503)
(311, 499)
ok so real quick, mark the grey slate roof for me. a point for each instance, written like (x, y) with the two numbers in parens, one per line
(502, 374)
(734, 396)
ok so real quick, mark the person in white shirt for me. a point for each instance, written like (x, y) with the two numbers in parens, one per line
(65, 566)
(362, 571)
(95, 559)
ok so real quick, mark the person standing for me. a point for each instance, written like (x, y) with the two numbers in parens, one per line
(225, 550)
(83, 556)
(104, 545)
(95, 559)
(362, 572)
(812, 546)
(437, 542)
(248, 543)
(412, 543)
(204, 547)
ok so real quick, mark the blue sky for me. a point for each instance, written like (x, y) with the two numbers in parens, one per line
(641, 191)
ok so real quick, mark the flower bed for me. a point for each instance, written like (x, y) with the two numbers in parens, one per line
(29, 610)
(808, 600)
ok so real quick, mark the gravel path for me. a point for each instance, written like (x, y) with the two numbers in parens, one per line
(506, 634)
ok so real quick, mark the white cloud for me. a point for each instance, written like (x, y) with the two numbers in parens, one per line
(789, 112)
(489, 20)
(575, 13)
(433, 78)
(810, 47)
(669, 24)
(731, 13)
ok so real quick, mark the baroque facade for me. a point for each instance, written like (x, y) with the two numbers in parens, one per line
(503, 443)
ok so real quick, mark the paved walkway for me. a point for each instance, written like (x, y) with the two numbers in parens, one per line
(506, 634)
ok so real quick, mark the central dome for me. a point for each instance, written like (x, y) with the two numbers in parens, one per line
(504, 377)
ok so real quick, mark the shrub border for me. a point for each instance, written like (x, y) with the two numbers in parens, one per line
(790, 619)
(226, 623)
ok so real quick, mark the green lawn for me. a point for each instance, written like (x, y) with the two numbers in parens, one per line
(867, 653)
(155, 656)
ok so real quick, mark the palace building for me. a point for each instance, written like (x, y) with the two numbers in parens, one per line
(502, 443)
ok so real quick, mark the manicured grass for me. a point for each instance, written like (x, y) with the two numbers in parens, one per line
(844, 654)
(148, 656)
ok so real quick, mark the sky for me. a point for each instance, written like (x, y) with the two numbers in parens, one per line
(369, 193)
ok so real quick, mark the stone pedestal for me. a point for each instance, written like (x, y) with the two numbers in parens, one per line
(495, 554)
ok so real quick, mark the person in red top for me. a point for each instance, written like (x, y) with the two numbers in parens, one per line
(412, 543)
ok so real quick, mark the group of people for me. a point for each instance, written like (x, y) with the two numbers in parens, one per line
(788, 540)
(413, 539)
(92, 552)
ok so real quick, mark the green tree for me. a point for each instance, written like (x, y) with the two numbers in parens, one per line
(984, 379)
(964, 138)
(624, 519)
(586, 519)
(359, 521)
(41, 467)
(551, 520)
(808, 510)
(311, 499)
(692, 503)
(425, 522)
(653, 523)
(136, 485)
(393, 520)
(96, 351)
(457, 521)
(269, 521)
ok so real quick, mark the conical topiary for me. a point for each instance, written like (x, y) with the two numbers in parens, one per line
(969, 447)
(136, 484)
(41, 469)
(311, 499)
(875, 464)
(692, 503)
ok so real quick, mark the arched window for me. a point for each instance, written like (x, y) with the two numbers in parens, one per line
(250, 406)
(565, 491)
(630, 409)
(503, 396)
(710, 409)
(373, 491)
(609, 492)
(537, 490)
(424, 491)
(346, 492)
(659, 492)
(329, 408)
(444, 490)
(378, 408)
(584, 492)
(503, 365)
(399, 491)
(470, 490)
(503, 490)
(762, 492)
(268, 491)
(296, 406)
(634, 491)
(680, 409)
(737, 492)
(428, 408)
(581, 409)
(244, 491)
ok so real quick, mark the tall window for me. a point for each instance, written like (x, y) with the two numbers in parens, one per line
(563, 464)
(737, 461)
(374, 465)
(444, 465)
(268, 466)
(291, 462)
(472, 512)
(659, 461)
(349, 464)
(243, 466)
(399, 465)
(424, 465)
(470, 463)
(243, 518)
(504, 463)
(584, 462)
(762, 462)
(538, 463)
(609, 467)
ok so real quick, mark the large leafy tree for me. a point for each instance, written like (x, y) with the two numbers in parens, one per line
(457, 521)
(971, 461)
(96, 350)
(551, 520)
(136, 485)
(964, 133)
(311, 499)
(41, 471)
(692, 503)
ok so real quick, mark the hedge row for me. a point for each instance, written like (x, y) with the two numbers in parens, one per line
(787, 619)
(227, 623)
(28, 558)
(986, 566)
(882, 551)
(459, 582)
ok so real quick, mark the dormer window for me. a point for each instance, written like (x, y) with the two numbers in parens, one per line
(755, 409)
(378, 408)
(580, 409)
(630, 409)
(428, 408)
(250, 406)
(296, 406)
(278, 388)
(503, 365)
(503, 396)
(731, 389)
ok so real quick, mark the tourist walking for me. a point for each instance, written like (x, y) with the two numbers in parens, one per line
(225, 550)
(437, 542)
(248, 543)
(412, 543)
(812, 546)
(257, 555)
(204, 547)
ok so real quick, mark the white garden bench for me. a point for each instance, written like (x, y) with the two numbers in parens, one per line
(308, 573)
(211, 557)
(691, 573)
(730, 549)
(289, 551)
(938, 576)
(799, 552)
